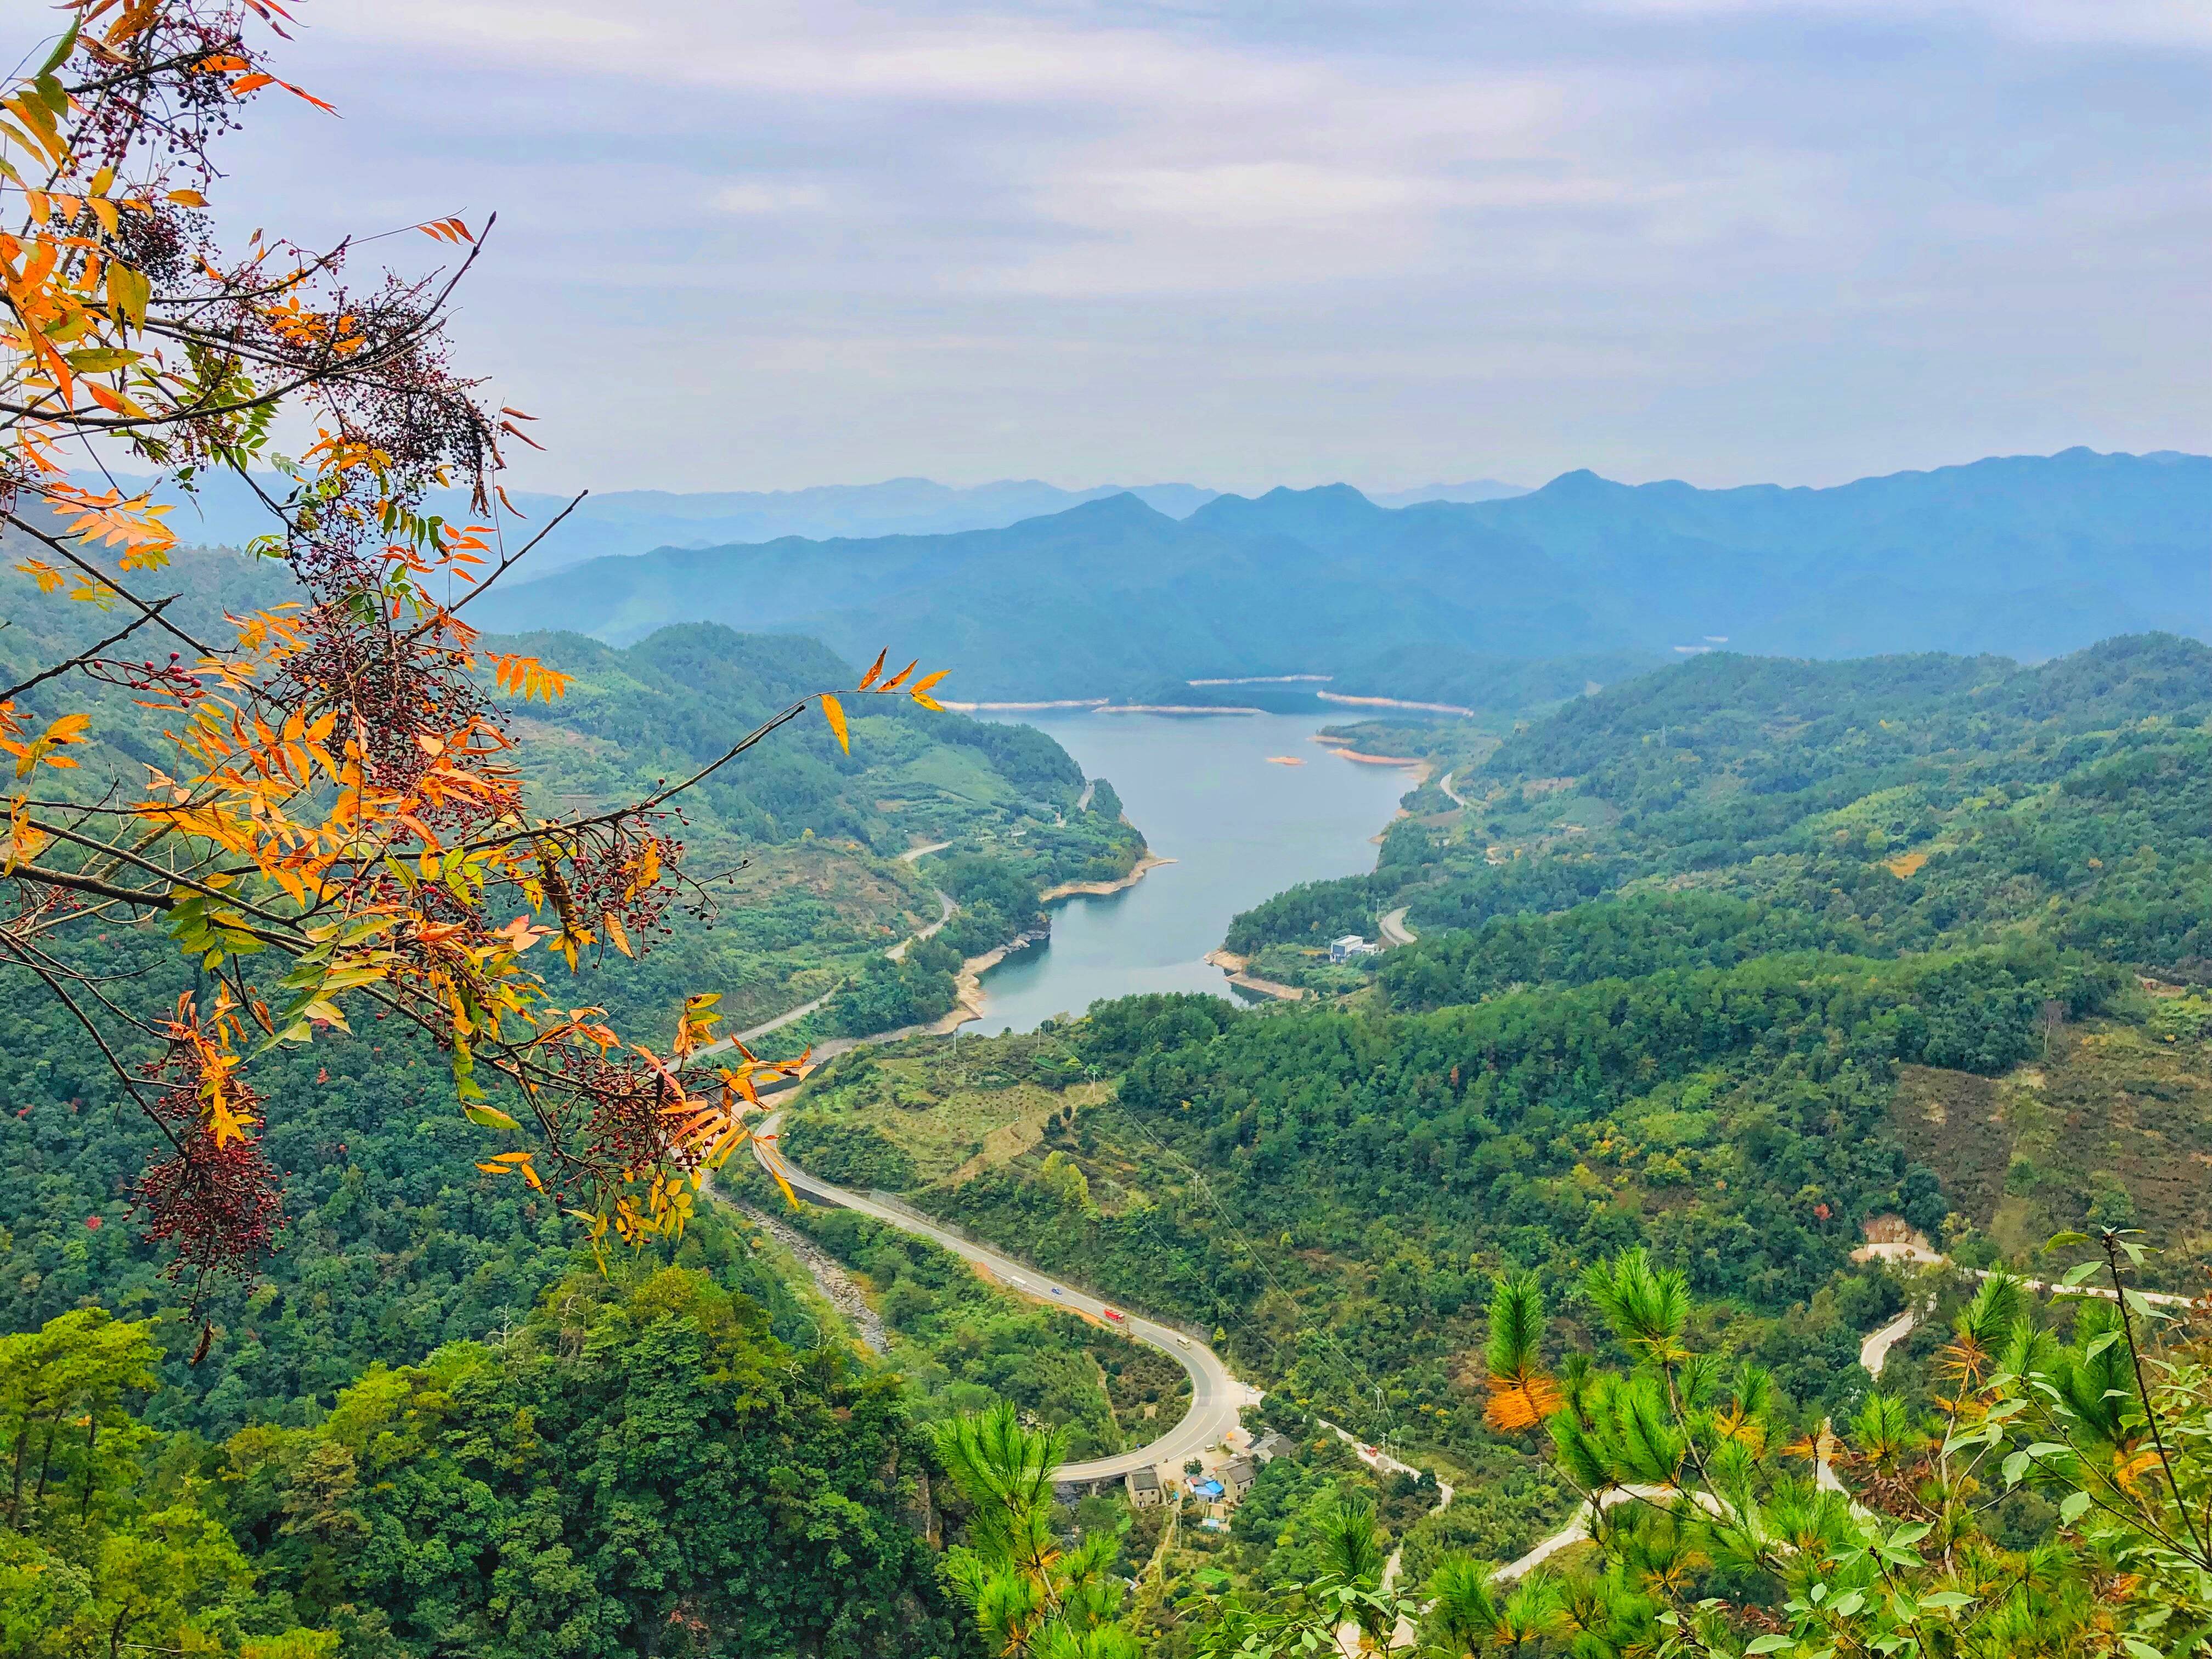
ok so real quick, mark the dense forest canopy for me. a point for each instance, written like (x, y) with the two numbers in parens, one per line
(1764, 952)
(1901, 803)
(1771, 1022)
(1713, 1007)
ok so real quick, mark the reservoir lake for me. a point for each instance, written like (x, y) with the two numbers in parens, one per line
(1240, 830)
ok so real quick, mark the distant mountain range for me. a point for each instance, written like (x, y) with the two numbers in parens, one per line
(1475, 490)
(2030, 557)
(619, 523)
(227, 514)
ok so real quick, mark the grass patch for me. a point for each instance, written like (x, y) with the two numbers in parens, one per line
(932, 1111)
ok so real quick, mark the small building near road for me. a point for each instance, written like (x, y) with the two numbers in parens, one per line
(1239, 1477)
(1144, 1488)
(1271, 1446)
(1350, 945)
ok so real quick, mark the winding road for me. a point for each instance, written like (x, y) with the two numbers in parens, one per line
(1216, 1396)
(945, 908)
(896, 953)
(1873, 1352)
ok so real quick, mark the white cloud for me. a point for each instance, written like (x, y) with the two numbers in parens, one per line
(2185, 23)
(1666, 235)
(763, 197)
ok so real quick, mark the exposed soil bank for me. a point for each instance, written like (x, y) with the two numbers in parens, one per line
(1233, 964)
(1145, 866)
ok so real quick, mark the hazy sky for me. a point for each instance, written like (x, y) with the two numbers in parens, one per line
(755, 246)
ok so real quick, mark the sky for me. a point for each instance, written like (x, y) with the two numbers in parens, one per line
(764, 245)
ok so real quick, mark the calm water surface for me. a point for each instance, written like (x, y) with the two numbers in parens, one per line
(1239, 829)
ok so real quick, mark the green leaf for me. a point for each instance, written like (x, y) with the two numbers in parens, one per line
(1911, 1534)
(2075, 1275)
(489, 1118)
(1946, 1601)
(2015, 1466)
(467, 1090)
(62, 48)
(2064, 1241)
(2073, 1507)
(98, 360)
(131, 292)
(1771, 1643)
(2140, 1649)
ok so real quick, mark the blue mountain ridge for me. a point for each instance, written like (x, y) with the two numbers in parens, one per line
(2028, 557)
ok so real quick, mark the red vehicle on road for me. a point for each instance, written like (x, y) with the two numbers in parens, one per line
(1115, 1315)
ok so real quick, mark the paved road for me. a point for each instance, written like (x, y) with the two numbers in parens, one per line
(1347, 1634)
(946, 907)
(1445, 784)
(1216, 1396)
(776, 1024)
(1393, 928)
(1873, 1352)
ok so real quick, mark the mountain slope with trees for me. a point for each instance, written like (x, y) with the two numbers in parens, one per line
(2028, 556)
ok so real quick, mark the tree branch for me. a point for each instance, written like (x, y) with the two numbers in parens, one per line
(88, 885)
(504, 565)
(153, 614)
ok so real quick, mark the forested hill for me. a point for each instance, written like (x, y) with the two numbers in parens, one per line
(2029, 557)
(801, 842)
(1880, 804)
(675, 701)
(1731, 963)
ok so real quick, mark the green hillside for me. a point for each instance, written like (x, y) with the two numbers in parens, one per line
(805, 840)
(1728, 962)
(1886, 804)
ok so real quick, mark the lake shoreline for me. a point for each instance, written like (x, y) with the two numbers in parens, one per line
(1145, 866)
(1235, 966)
(1243, 826)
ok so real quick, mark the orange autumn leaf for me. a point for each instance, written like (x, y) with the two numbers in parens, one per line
(1519, 1403)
